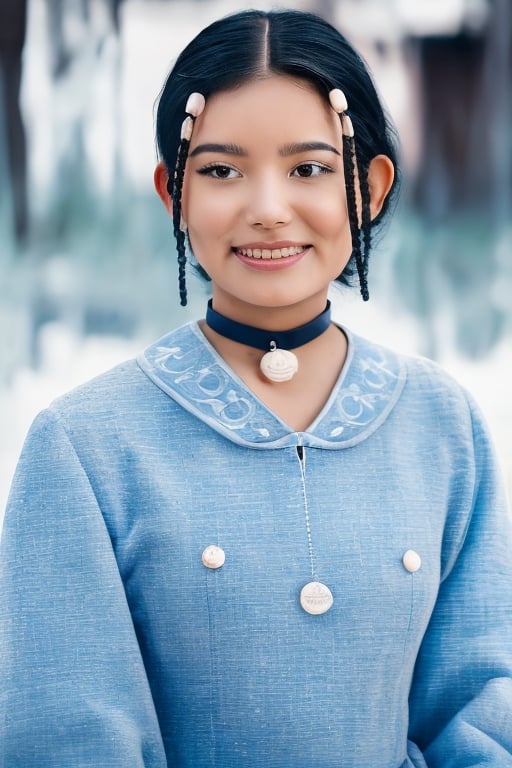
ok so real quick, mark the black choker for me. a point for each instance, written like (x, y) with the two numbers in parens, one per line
(279, 364)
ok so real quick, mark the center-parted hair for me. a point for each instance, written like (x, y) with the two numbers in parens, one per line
(255, 44)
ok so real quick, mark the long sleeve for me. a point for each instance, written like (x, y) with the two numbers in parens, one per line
(73, 686)
(461, 698)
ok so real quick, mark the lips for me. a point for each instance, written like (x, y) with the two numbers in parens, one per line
(271, 259)
(271, 253)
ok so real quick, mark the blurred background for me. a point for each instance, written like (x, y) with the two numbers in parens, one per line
(87, 260)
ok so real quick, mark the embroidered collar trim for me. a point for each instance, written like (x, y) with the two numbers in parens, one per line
(185, 366)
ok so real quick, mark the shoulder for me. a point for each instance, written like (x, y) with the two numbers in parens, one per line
(429, 392)
(116, 400)
(420, 371)
(120, 388)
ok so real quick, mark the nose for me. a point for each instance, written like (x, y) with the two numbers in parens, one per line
(267, 205)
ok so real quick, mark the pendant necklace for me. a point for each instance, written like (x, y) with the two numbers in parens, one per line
(278, 363)
(315, 597)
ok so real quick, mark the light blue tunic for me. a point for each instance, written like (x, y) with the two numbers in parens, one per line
(119, 648)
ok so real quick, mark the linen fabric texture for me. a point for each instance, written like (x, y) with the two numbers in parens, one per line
(120, 648)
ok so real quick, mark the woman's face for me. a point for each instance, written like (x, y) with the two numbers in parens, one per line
(264, 198)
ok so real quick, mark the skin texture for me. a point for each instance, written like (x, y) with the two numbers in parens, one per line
(271, 191)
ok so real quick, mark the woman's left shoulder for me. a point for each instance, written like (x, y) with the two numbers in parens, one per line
(427, 386)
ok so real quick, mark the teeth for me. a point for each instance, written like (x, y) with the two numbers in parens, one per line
(275, 253)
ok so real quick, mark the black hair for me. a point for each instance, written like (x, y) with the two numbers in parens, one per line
(253, 44)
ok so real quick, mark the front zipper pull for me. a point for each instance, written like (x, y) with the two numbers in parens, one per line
(315, 597)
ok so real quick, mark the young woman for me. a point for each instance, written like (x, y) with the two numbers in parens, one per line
(268, 542)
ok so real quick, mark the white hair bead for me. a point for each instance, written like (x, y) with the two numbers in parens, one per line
(186, 128)
(195, 104)
(347, 127)
(338, 100)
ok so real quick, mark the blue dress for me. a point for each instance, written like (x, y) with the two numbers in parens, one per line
(121, 648)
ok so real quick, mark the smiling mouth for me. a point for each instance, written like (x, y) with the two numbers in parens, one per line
(275, 253)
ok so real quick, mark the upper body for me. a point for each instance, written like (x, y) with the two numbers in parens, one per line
(123, 648)
(268, 543)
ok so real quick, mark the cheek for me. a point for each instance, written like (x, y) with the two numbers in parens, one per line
(207, 210)
(208, 221)
(328, 215)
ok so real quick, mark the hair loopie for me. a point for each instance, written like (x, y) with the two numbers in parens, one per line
(349, 165)
(179, 234)
(366, 223)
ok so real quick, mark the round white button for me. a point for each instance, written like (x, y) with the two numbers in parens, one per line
(316, 598)
(213, 557)
(411, 561)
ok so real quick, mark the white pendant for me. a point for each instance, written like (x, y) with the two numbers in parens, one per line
(316, 598)
(279, 364)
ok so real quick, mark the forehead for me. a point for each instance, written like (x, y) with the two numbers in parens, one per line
(276, 109)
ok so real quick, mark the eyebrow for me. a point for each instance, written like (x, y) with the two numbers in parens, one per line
(224, 149)
(306, 146)
(286, 151)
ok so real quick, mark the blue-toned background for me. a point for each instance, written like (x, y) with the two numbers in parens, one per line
(87, 261)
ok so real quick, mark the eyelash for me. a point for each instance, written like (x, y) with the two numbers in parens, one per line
(322, 169)
(210, 170)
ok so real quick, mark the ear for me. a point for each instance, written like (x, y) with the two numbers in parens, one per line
(161, 179)
(380, 179)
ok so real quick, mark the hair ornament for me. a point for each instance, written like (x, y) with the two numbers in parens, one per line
(339, 103)
(194, 107)
(195, 104)
(347, 127)
(338, 100)
(186, 128)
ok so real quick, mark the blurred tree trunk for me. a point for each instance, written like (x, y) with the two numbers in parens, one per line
(13, 17)
(462, 190)
(467, 118)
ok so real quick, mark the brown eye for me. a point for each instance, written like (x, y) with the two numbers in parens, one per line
(219, 171)
(307, 170)
(222, 171)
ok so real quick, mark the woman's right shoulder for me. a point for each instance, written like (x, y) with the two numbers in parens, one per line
(106, 393)
(115, 400)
